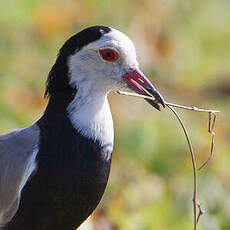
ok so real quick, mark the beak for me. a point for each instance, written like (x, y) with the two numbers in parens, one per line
(141, 84)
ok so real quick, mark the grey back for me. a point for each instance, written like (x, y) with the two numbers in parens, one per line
(18, 151)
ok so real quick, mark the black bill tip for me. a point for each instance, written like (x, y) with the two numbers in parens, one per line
(158, 98)
(154, 104)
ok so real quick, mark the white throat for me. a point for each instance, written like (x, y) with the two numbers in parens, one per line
(90, 113)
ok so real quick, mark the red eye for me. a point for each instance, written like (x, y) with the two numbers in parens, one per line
(109, 54)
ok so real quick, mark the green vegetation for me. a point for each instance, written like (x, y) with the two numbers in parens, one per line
(184, 47)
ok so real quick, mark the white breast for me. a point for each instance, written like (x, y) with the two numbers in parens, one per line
(90, 113)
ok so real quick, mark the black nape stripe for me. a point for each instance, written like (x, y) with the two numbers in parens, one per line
(58, 82)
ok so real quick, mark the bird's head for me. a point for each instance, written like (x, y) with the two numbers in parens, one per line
(102, 59)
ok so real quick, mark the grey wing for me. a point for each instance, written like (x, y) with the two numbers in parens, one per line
(18, 151)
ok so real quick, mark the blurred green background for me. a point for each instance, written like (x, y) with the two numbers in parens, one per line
(184, 48)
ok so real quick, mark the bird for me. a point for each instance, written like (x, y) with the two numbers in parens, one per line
(53, 173)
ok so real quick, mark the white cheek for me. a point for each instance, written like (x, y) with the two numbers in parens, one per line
(85, 66)
(81, 66)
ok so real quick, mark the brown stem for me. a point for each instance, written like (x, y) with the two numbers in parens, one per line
(193, 165)
(201, 212)
(168, 103)
(211, 123)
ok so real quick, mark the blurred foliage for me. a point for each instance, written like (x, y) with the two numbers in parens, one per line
(184, 47)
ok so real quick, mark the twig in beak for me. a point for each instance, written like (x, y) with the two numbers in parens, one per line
(193, 165)
(211, 123)
(168, 103)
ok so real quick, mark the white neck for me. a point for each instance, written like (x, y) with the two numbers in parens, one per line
(90, 113)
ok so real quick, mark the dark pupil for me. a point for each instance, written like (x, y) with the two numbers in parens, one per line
(109, 54)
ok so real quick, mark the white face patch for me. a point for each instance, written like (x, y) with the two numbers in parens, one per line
(87, 64)
(94, 78)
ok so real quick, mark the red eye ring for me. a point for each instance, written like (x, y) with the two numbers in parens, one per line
(108, 54)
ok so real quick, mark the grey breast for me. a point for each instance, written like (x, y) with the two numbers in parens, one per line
(18, 151)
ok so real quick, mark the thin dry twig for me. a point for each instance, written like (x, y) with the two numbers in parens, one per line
(211, 124)
(168, 103)
(201, 212)
(193, 165)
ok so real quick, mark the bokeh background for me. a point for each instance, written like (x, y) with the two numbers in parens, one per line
(184, 48)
